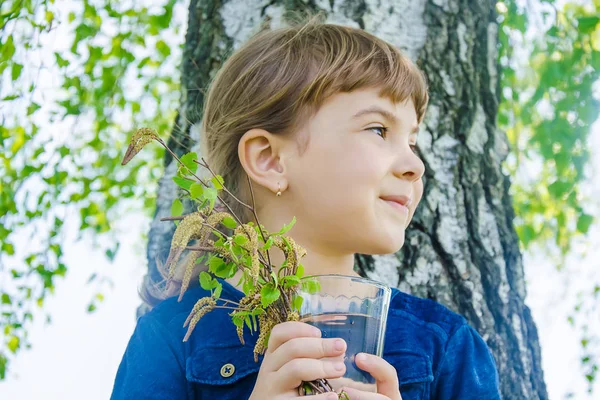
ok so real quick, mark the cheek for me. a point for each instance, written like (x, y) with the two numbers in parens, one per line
(362, 164)
(417, 195)
(418, 186)
(342, 180)
(346, 168)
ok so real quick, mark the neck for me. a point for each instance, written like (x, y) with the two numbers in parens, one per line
(319, 259)
(318, 263)
(314, 264)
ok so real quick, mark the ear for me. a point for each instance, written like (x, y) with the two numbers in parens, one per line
(259, 154)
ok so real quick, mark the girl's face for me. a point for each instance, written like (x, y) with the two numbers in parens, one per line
(347, 188)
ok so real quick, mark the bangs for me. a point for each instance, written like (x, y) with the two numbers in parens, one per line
(352, 59)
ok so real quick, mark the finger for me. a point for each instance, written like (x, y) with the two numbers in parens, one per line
(339, 383)
(384, 373)
(285, 331)
(355, 394)
(322, 396)
(297, 370)
(306, 347)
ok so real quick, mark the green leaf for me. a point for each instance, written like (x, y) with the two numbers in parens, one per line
(287, 227)
(229, 223)
(3, 362)
(8, 48)
(8, 248)
(583, 223)
(211, 195)
(269, 294)
(217, 293)
(300, 271)
(188, 160)
(258, 311)
(274, 275)
(183, 183)
(218, 182)
(232, 270)
(587, 24)
(239, 322)
(223, 270)
(254, 323)
(240, 240)
(214, 263)
(6, 299)
(16, 71)
(205, 280)
(290, 281)
(248, 285)
(526, 234)
(241, 279)
(60, 61)
(311, 286)
(13, 343)
(220, 242)
(196, 190)
(176, 208)
(163, 48)
(297, 302)
(268, 244)
(33, 107)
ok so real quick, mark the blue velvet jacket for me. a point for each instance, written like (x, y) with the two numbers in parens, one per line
(436, 353)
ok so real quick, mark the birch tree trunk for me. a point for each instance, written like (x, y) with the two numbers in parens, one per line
(461, 249)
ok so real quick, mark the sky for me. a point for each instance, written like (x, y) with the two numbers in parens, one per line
(78, 353)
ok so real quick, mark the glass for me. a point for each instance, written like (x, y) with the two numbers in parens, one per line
(352, 308)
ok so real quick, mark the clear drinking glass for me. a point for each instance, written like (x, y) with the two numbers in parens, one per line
(348, 307)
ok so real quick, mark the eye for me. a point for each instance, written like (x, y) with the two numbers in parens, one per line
(383, 130)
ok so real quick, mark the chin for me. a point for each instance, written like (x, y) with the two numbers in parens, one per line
(384, 244)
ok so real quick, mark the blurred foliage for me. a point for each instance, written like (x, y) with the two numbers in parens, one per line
(547, 107)
(67, 105)
(65, 113)
(550, 61)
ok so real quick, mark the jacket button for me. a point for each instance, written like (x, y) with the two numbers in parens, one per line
(227, 370)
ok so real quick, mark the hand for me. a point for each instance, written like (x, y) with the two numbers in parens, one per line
(384, 373)
(295, 353)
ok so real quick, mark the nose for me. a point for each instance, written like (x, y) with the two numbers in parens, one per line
(408, 165)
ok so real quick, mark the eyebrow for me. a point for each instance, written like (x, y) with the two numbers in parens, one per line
(385, 113)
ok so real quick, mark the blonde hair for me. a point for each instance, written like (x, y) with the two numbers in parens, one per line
(279, 78)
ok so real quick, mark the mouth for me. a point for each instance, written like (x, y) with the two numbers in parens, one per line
(399, 207)
(399, 203)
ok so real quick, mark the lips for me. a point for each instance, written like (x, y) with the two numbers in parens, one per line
(399, 202)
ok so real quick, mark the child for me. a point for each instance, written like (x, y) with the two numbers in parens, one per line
(324, 120)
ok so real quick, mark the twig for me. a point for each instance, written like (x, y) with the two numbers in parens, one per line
(256, 216)
(173, 218)
(205, 165)
(282, 306)
(199, 180)
(229, 308)
(251, 208)
(200, 248)
(230, 301)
